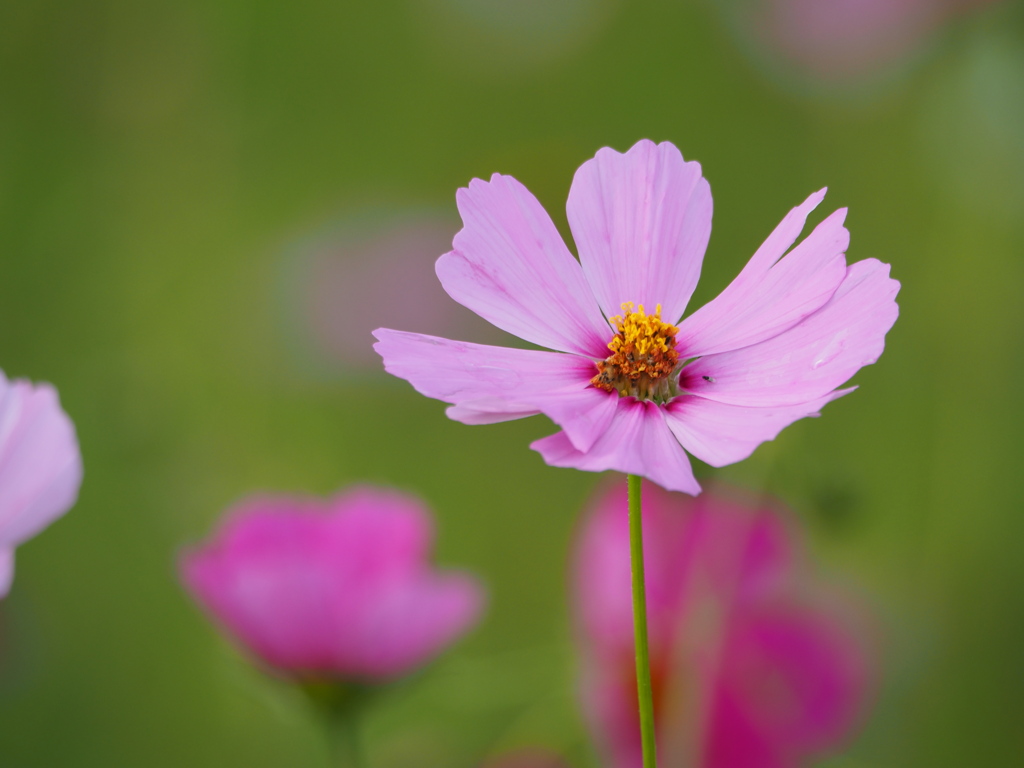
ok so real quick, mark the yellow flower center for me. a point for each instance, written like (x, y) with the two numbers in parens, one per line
(643, 356)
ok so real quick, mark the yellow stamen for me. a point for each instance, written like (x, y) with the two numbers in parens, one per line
(643, 355)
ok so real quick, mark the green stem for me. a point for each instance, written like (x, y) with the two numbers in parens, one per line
(344, 737)
(339, 706)
(645, 698)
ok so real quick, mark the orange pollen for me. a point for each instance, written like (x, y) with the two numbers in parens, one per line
(643, 356)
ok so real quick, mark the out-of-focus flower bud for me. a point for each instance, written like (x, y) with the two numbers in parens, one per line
(335, 590)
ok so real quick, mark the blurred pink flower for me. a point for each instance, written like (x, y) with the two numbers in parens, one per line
(377, 270)
(336, 589)
(749, 669)
(40, 466)
(848, 39)
(770, 349)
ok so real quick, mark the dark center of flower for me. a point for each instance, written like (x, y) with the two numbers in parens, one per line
(643, 357)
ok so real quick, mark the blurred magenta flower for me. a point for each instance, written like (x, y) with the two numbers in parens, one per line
(846, 40)
(750, 668)
(770, 349)
(332, 590)
(40, 466)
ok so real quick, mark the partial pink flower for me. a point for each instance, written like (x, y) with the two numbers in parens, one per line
(40, 466)
(847, 40)
(377, 270)
(332, 589)
(750, 667)
(628, 386)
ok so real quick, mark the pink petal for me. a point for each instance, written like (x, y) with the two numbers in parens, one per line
(637, 442)
(641, 221)
(6, 570)
(40, 464)
(746, 673)
(772, 292)
(770, 554)
(374, 531)
(488, 412)
(264, 603)
(732, 553)
(584, 414)
(374, 268)
(363, 530)
(608, 693)
(812, 358)
(511, 267)
(720, 434)
(604, 600)
(721, 547)
(404, 627)
(488, 384)
(848, 41)
(341, 588)
(735, 742)
(793, 682)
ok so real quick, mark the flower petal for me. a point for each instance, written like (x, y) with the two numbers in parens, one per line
(812, 358)
(584, 414)
(511, 267)
(793, 682)
(637, 442)
(772, 292)
(601, 585)
(488, 384)
(720, 434)
(487, 412)
(40, 463)
(409, 622)
(641, 221)
(341, 588)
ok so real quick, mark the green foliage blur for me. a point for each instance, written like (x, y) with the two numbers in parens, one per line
(162, 162)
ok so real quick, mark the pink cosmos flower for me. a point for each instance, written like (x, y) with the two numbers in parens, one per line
(749, 669)
(40, 466)
(332, 589)
(770, 349)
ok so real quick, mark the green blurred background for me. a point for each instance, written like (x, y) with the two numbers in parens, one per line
(168, 168)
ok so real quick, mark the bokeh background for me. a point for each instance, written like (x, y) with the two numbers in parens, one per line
(206, 206)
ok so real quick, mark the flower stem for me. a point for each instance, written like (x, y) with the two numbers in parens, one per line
(339, 706)
(643, 665)
(344, 738)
